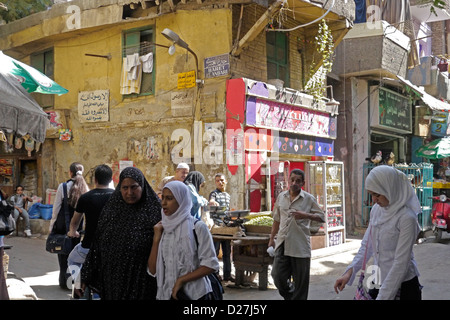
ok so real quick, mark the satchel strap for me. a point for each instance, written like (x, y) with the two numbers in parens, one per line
(66, 207)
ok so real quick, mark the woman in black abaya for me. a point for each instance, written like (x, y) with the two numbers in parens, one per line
(116, 266)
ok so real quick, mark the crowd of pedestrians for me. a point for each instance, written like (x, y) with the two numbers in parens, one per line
(140, 244)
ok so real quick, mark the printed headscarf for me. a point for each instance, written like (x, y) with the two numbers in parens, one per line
(116, 264)
(195, 178)
(397, 188)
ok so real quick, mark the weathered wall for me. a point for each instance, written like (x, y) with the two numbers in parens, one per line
(138, 122)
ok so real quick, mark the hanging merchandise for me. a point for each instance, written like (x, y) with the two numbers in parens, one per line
(443, 65)
(29, 145)
(65, 134)
(18, 143)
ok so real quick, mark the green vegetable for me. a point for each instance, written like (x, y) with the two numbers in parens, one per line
(260, 221)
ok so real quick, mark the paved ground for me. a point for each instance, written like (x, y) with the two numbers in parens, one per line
(34, 272)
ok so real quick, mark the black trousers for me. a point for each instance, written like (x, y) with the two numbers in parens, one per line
(63, 274)
(284, 269)
(409, 290)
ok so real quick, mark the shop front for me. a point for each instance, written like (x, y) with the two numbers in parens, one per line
(395, 140)
(19, 163)
(272, 131)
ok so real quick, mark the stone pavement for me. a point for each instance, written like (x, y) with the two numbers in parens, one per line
(33, 273)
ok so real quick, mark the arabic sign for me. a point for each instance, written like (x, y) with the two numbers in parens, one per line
(217, 66)
(186, 80)
(181, 103)
(391, 111)
(274, 115)
(93, 106)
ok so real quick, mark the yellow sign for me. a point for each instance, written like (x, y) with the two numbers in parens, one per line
(186, 80)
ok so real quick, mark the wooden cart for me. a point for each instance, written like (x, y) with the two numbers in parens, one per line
(250, 254)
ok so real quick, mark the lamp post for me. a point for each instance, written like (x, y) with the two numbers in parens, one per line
(175, 38)
(331, 103)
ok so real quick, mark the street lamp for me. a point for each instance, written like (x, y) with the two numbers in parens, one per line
(172, 36)
(331, 103)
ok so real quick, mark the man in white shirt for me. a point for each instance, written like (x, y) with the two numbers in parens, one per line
(293, 212)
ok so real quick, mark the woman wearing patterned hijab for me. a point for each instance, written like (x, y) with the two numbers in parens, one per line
(116, 266)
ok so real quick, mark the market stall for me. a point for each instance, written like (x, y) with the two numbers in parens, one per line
(250, 235)
(23, 124)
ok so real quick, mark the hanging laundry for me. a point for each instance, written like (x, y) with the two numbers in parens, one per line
(130, 86)
(147, 62)
(133, 62)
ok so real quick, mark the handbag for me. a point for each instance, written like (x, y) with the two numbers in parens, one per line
(216, 285)
(361, 292)
(7, 222)
(56, 242)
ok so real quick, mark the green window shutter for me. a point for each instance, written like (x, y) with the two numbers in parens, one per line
(43, 62)
(37, 62)
(48, 64)
(131, 43)
(277, 56)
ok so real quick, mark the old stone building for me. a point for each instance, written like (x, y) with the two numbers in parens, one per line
(386, 75)
(176, 108)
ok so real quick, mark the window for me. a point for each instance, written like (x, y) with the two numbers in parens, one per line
(43, 62)
(140, 41)
(277, 56)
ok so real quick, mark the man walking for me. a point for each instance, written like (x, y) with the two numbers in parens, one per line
(293, 212)
(90, 205)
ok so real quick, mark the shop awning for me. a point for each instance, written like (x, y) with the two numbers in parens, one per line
(429, 100)
(30, 78)
(19, 112)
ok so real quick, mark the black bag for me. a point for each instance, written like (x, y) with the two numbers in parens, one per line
(216, 285)
(58, 242)
(7, 222)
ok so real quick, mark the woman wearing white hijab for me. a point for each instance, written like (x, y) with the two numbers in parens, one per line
(390, 237)
(179, 265)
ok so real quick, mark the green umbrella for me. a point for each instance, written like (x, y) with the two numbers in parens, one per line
(30, 78)
(436, 149)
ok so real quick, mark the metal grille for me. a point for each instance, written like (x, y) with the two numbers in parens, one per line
(421, 177)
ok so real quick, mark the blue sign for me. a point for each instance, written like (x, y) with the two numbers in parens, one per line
(217, 66)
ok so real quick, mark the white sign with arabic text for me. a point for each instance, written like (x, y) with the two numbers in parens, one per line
(93, 106)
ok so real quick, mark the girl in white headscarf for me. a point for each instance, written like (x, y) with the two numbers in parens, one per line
(390, 237)
(180, 266)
